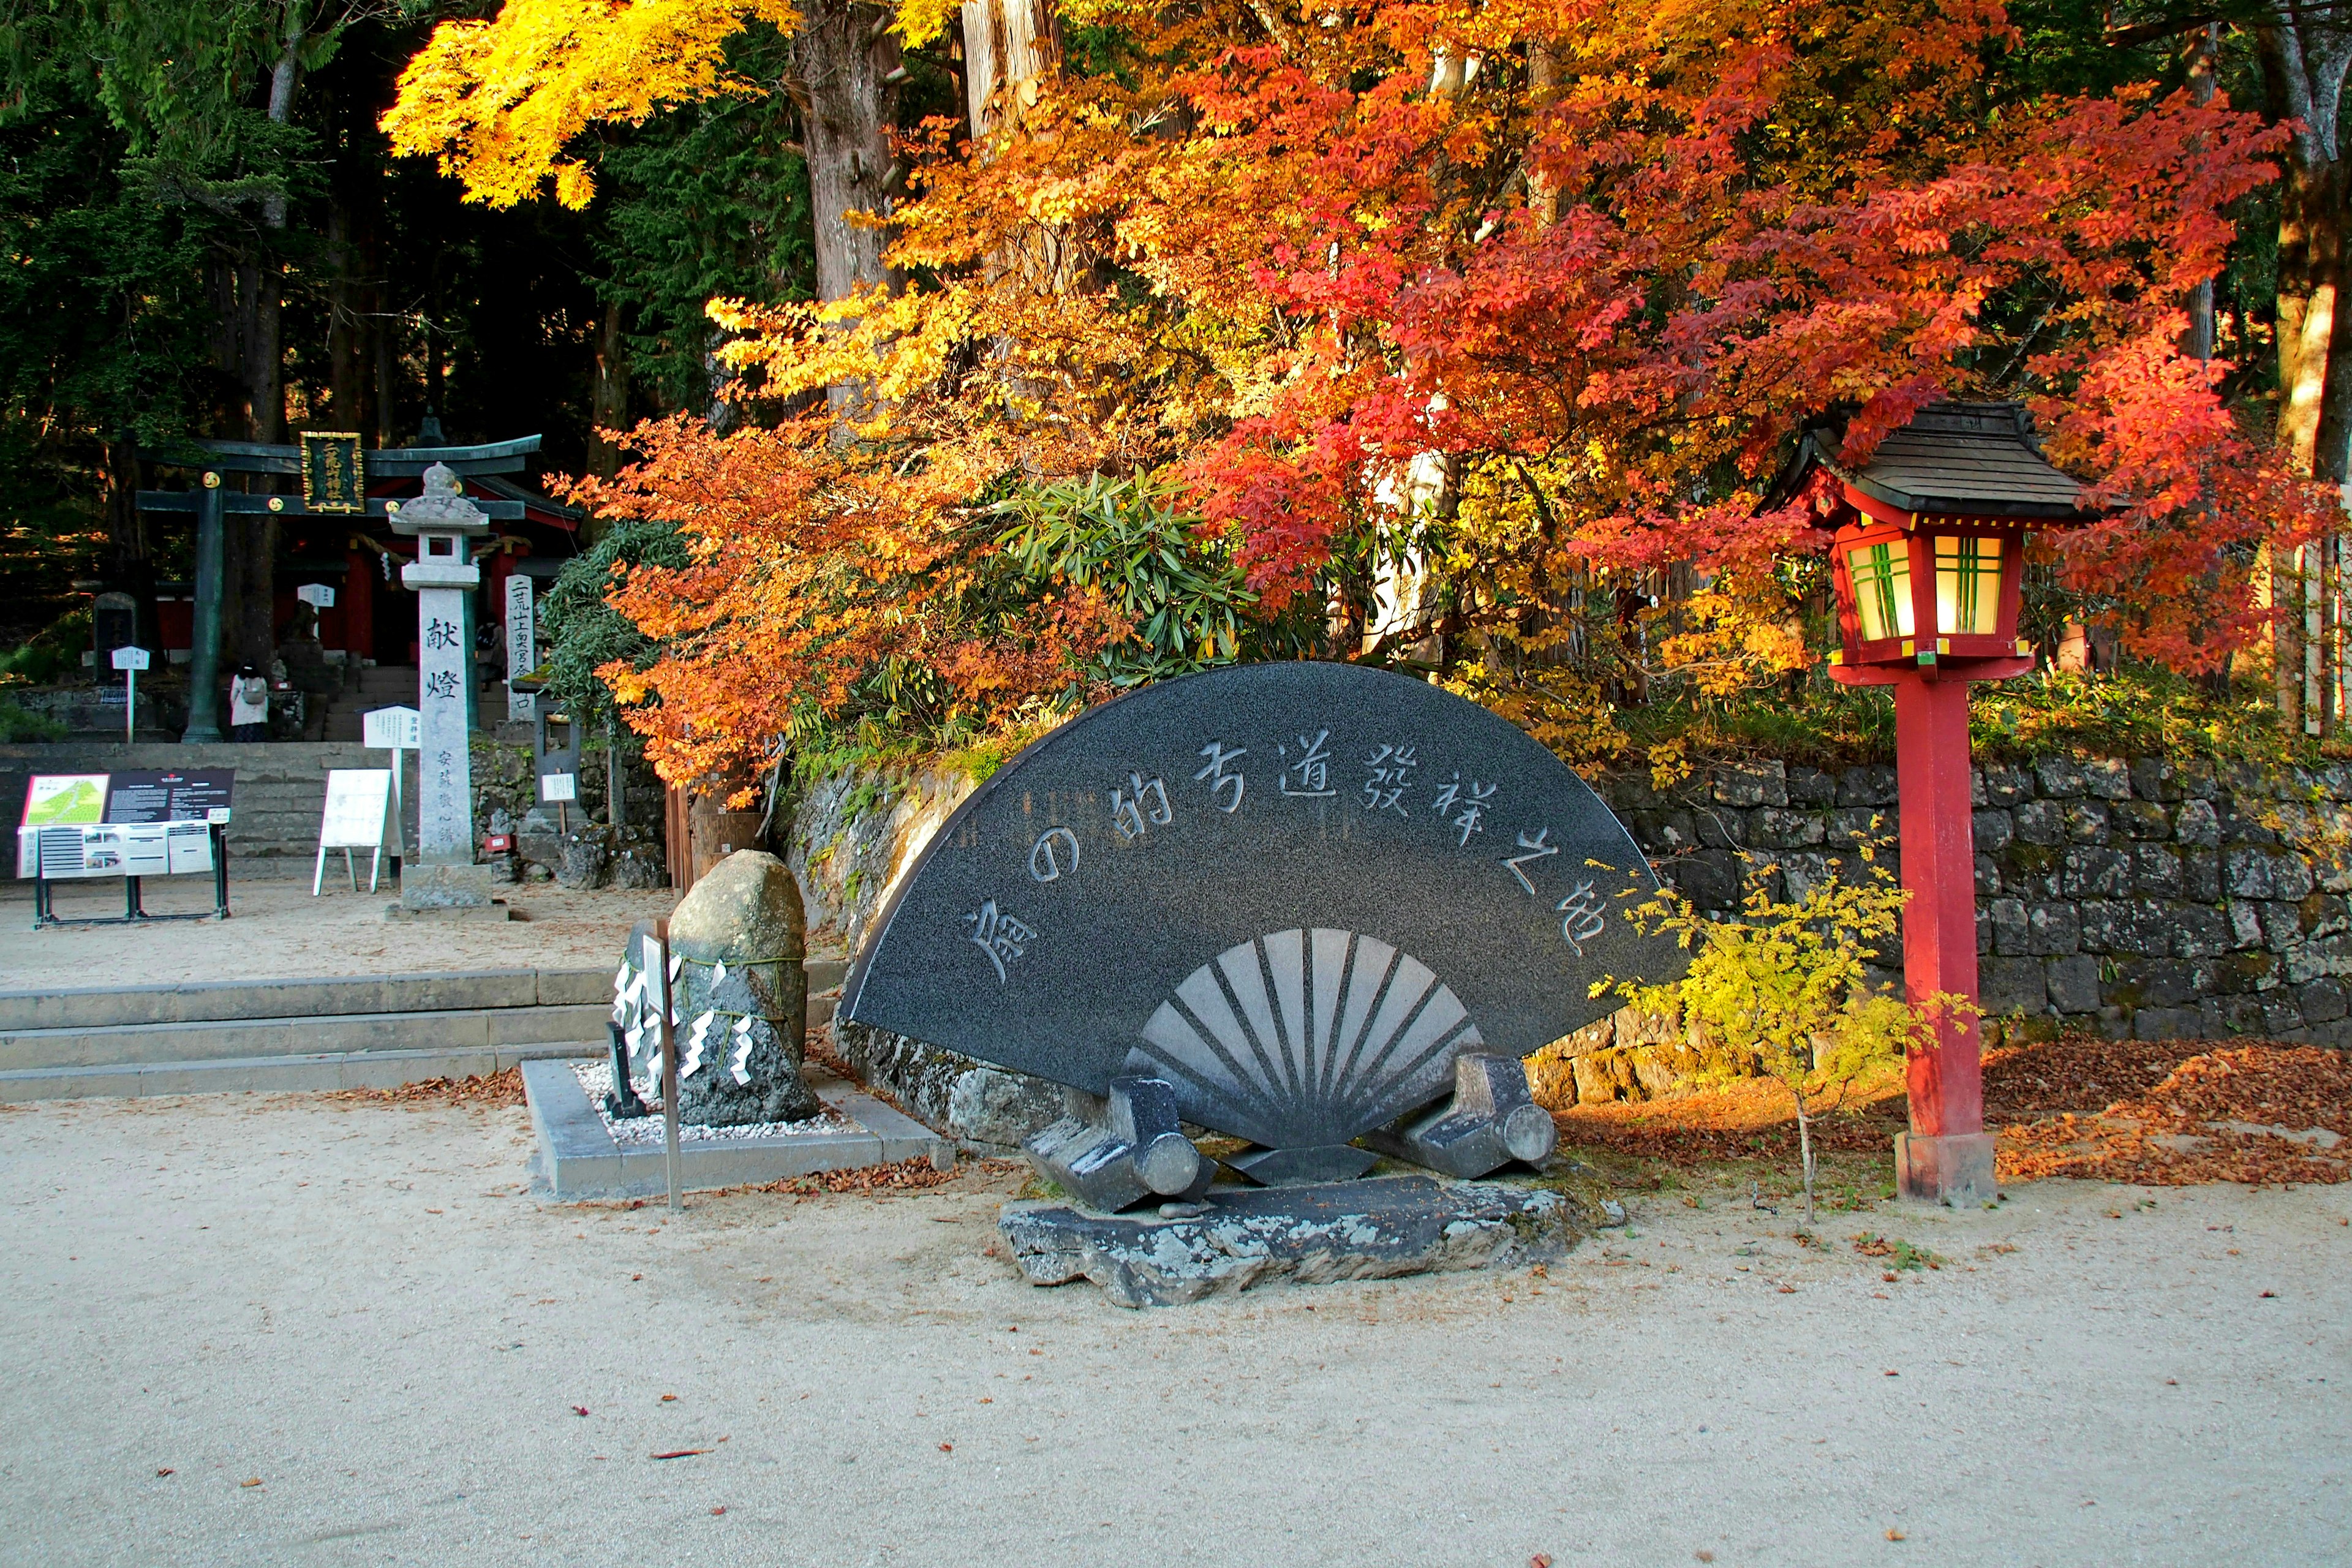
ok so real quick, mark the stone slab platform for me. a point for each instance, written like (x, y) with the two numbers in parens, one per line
(1374, 1229)
(578, 1158)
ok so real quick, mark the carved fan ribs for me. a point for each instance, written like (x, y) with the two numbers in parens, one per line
(1306, 1037)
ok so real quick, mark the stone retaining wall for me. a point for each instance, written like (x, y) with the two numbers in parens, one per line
(2144, 897)
(2137, 898)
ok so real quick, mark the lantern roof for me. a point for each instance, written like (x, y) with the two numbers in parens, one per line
(1954, 459)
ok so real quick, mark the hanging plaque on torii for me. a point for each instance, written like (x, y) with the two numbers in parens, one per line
(335, 472)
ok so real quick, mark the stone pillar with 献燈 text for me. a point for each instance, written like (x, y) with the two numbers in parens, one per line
(442, 875)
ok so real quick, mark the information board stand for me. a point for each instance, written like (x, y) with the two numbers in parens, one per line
(216, 845)
(132, 825)
(394, 730)
(363, 812)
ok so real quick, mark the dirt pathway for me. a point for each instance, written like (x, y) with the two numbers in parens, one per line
(279, 931)
(356, 1307)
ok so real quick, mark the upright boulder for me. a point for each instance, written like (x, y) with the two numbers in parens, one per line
(743, 994)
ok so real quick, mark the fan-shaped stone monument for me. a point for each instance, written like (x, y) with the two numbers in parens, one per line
(1312, 905)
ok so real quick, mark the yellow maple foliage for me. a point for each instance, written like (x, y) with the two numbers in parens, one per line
(498, 102)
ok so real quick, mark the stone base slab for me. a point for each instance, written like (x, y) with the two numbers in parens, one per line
(1955, 1169)
(577, 1157)
(1378, 1228)
(438, 888)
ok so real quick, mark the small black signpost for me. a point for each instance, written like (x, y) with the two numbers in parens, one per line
(335, 473)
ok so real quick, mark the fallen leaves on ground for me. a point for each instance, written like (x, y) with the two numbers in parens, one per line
(1749, 1121)
(2157, 1114)
(497, 1089)
(2213, 1116)
(905, 1175)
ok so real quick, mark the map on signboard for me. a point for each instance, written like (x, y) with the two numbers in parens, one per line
(334, 478)
(171, 795)
(359, 804)
(65, 800)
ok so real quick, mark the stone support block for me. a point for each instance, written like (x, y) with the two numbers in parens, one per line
(1864, 825)
(1125, 1149)
(1955, 1170)
(2321, 1001)
(2200, 875)
(2124, 926)
(1772, 827)
(2005, 786)
(2321, 956)
(2281, 925)
(1490, 1121)
(2167, 1023)
(1811, 788)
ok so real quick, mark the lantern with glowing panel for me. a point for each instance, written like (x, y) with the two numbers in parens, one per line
(1929, 560)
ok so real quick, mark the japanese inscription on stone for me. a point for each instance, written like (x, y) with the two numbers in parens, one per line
(1297, 891)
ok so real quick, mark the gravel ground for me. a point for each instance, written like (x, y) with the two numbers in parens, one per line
(256, 1329)
(277, 931)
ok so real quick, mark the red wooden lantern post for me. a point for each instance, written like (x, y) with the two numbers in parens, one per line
(1929, 562)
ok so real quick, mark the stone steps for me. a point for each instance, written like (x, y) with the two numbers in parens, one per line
(100, 1006)
(306, 1074)
(27, 1050)
(334, 1032)
(282, 1034)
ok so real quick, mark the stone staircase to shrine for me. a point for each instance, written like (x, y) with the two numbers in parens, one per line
(285, 1035)
(394, 685)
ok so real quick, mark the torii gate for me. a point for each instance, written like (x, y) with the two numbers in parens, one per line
(335, 470)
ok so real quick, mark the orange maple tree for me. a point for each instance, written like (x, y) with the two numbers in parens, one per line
(1539, 291)
(826, 583)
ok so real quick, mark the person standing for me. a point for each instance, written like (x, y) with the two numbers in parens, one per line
(249, 705)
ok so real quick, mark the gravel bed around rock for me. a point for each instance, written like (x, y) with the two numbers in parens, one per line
(596, 1078)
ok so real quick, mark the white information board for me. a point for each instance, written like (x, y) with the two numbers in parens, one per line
(359, 814)
(553, 787)
(131, 659)
(318, 595)
(390, 729)
(113, 849)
